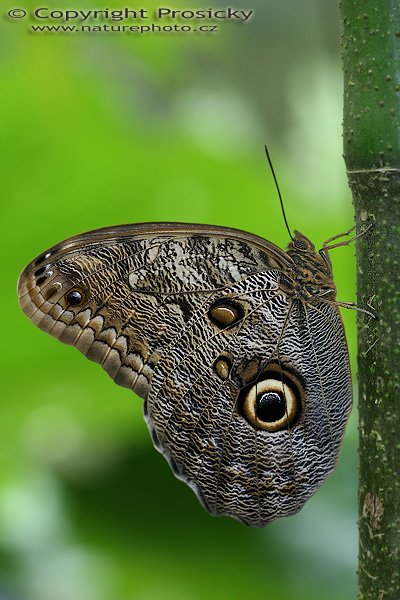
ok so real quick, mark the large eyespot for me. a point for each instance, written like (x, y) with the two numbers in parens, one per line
(74, 297)
(273, 402)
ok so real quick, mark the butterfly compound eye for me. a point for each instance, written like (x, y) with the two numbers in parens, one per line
(74, 297)
(271, 404)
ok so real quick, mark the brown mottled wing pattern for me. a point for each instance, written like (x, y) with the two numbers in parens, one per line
(195, 319)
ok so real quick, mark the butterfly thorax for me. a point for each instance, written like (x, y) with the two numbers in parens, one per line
(312, 278)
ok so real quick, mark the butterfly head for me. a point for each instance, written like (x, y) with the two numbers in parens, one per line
(300, 244)
(313, 269)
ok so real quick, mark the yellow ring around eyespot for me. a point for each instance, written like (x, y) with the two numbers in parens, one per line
(270, 385)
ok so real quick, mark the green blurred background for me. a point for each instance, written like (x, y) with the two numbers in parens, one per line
(103, 129)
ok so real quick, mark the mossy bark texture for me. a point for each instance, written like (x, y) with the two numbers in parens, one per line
(371, 61)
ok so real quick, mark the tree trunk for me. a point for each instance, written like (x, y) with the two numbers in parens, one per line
(371, 59)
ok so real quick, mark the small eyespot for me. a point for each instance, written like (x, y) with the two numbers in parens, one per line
(226, 313)
(74, 297)
(42, 274)
(42, 257)
(222, 367)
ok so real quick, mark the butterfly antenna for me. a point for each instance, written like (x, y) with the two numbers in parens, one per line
(278, 190)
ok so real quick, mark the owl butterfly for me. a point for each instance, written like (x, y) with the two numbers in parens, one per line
(237, 348)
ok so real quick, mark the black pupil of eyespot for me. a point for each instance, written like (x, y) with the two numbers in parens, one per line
(270, 407)
(74, 297)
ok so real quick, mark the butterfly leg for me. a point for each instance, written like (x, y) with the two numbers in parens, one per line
(351, 305)
(339, 235)
(327, 246)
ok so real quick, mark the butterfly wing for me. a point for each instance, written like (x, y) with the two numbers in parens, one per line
(241, 394)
